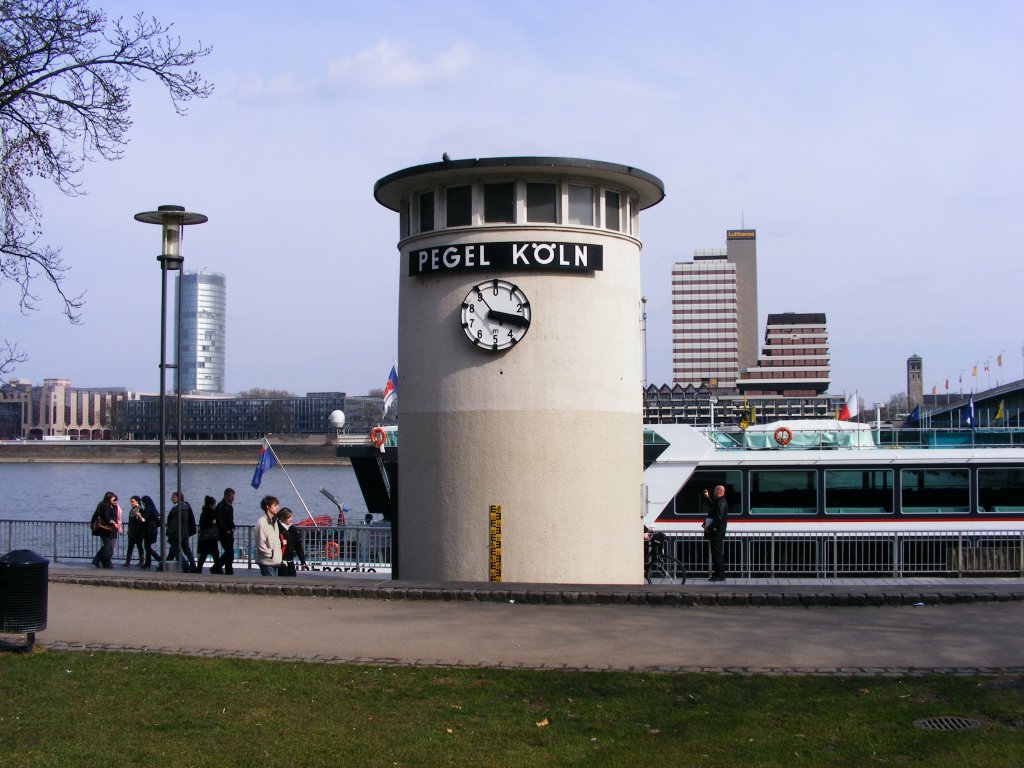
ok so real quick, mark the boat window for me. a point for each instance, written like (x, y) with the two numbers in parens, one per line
(500, 203)
(540, 202)
(784, 492)
(687, 502)
(858, 491)
(935, 491)
(459, 205)
(1001, 489)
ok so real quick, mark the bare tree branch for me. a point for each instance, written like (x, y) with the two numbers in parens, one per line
(65, 77)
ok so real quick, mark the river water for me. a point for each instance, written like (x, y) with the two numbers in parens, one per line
(59, 492)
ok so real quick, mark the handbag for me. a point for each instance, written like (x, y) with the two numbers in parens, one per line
(209, 534)
(286, 569)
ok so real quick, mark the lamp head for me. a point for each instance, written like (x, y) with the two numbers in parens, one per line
(171, 218)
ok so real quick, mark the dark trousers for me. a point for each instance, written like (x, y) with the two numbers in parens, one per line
(717, 543)
(151, 554)
(206, 549)
(132, 544)
(105, 553)
(182, 554)
(226, 560)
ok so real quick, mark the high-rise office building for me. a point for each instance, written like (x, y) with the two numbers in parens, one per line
(203, 336)
(714, 313)
(794, 361)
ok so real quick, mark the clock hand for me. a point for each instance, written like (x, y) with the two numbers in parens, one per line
(508, 317)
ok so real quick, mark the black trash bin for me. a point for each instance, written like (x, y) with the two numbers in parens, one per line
(23, 593)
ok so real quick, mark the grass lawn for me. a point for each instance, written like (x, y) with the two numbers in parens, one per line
(127, 709)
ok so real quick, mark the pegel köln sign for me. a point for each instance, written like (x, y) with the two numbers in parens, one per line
(536, 256)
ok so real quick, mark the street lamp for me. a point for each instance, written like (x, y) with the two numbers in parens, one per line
(172, 219)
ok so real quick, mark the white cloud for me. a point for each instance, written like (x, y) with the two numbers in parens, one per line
(278, 88)
(390, 65)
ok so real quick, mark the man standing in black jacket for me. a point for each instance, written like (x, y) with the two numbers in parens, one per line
(181, 526)
(714, 529)
(225, 517)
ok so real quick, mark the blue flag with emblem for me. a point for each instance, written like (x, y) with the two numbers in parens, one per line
(266, 461)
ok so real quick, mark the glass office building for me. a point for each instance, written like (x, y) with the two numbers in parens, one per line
(203, 312)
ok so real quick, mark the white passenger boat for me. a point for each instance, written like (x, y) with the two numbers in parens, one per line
(825, 476)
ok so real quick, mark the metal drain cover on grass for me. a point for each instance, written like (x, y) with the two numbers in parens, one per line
(946, 723)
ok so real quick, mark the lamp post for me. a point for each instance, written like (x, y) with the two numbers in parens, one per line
(172, 219)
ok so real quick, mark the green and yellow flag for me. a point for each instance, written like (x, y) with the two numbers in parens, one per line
(999, 413)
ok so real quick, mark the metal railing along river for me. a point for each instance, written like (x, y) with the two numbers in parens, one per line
(346, 549)
(367, 548)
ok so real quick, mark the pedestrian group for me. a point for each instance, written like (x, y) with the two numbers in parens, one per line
(278, 543)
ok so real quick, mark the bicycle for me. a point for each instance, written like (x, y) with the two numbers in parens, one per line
(659, 564)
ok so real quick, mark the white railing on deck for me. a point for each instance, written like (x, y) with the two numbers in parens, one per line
(857, 554)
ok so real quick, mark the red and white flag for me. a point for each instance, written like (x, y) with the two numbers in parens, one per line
(850, 408)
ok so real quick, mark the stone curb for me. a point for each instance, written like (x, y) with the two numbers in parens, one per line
(658, 595)
(669, 669)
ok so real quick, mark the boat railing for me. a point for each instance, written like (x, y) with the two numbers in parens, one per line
(928, 438)
(878, 554)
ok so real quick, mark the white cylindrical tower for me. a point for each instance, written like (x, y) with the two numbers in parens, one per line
(520, 369)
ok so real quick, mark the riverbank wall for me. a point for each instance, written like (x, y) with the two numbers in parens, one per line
(311, 450)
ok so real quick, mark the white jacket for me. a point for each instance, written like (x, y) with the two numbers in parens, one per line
(268, 542)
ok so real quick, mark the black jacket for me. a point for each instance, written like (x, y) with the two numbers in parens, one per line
(292, 544)
(225, 514)
(172, 522)
(718, 516)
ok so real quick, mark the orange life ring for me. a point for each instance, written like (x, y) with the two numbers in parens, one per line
(332, 550)
(783, 435)
(378, 436)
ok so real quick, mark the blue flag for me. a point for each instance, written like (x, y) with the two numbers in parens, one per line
(969, 412)
(267, 461)
(914, 419)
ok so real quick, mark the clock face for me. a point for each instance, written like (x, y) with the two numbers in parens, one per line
(495, 315)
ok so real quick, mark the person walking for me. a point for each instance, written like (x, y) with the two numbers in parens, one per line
(104, 525)
(714, 530)
(152, 517)
(181, 526)
(291, 543)
(136, 532)
(268, 539)
(208, 535)
(225, 516)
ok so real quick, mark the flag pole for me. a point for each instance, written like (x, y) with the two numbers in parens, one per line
(278, 460)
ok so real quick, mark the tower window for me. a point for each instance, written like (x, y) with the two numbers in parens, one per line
(459, 203)
(612, 217)
(500, 203)
(581, 205)
(426, 212)
(540, 202)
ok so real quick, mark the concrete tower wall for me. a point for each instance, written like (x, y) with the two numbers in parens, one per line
(549, 429)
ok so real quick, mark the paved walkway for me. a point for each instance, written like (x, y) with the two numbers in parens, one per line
(788, 626)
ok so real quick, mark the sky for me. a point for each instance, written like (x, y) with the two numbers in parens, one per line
(876, 148)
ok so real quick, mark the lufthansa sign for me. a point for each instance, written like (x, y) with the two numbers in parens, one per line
(508, 257)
